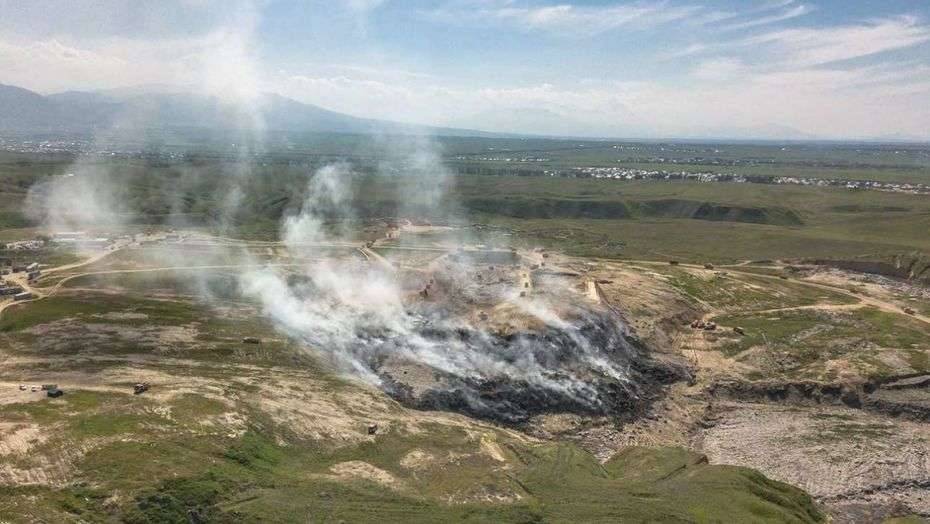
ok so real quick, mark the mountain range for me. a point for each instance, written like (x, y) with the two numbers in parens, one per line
(24, 112)
(131, 112)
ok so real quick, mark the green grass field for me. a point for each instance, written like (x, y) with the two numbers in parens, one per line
(221, 451)
(800, 343)
(226, 440)
(253, 478)
(692, 221)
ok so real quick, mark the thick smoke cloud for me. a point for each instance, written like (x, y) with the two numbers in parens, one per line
(86, 196)
(359, 314)
(361, 317)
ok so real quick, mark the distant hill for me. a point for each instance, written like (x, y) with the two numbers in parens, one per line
(25, 112)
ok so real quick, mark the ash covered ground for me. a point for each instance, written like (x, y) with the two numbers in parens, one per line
(492, 334)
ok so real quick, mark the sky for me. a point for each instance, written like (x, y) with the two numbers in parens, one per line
(646, 68)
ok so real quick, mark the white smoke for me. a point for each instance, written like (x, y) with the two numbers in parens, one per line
(359, 315)
(87, 196)
(357, 312)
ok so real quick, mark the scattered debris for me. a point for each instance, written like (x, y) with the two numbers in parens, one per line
(706, 326)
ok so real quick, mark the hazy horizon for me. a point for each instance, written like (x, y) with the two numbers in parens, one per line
(774, 69)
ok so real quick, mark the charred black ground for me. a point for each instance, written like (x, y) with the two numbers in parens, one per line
(583, 357)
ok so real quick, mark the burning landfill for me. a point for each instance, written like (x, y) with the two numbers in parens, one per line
(462, 334)
(496, 336)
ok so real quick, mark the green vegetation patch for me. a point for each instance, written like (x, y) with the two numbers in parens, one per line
(86, 306)
(734, 291)
(83, 322)
(806, 337)
(163, 476)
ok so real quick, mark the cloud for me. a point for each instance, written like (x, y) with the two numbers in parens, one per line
(823, 80)
(566, 19)
(165, 19)
(788, 14)
(816, 46)
(720, 94)
(220, 61)
(718, 69)
(813, 46)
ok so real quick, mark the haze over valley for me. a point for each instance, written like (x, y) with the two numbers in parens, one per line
(464, 260)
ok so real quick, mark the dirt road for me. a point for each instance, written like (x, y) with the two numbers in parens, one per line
(863, 300)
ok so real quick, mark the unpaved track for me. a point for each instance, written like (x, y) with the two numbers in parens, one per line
(20, 279)
(883, 305)
(61, 282)
(41, 293)
(863, 300)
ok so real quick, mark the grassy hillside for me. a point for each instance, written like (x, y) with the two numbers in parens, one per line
(237, 433)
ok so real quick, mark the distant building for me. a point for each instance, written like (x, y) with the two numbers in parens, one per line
(68, 235)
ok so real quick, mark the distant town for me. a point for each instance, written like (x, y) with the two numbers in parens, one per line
(623, 173)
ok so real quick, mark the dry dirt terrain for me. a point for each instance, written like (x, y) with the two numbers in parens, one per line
(825, 388)
(816, 378)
